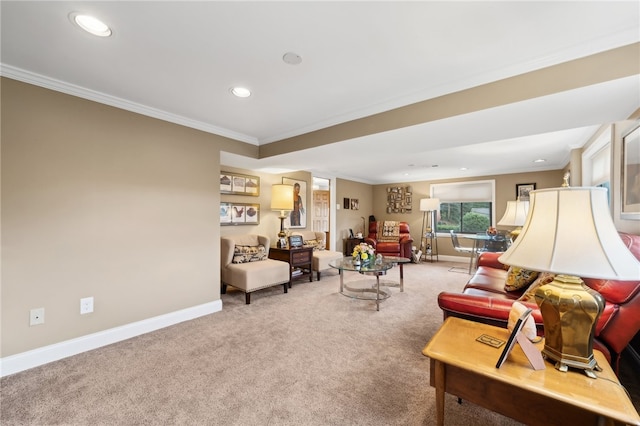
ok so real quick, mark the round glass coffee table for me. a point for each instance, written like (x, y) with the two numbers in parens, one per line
(363, 289)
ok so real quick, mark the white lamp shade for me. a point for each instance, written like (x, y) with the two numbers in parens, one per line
(570, 231)
(282, 197)
(429, 204)
(516, 213)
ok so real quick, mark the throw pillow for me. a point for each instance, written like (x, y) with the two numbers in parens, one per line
(518, 278)
(388, 231)
(529, 328)
(316, 244)
(245, 254)
(543, 278)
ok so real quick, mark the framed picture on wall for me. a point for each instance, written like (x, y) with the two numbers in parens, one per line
(239, 213)
(297, 218)
(630, 179)
(239, 184)
(523, 190)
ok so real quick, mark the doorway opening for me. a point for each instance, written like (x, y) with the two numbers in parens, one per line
(321, 212)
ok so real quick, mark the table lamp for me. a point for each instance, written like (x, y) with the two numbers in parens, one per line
(569, 232)
(515, 216)
(281, 199)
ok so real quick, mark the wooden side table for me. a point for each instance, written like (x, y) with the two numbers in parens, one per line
(350, 243)
(298, 258)
(467, 369)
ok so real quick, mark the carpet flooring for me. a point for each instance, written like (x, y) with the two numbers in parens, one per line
(309, 357)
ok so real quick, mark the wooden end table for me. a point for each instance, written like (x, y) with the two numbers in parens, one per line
(297, 258)
(467, 369)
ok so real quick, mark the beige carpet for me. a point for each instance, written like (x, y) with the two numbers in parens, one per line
(309, 357)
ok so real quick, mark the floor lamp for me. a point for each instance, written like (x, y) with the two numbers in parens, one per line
(431, 206)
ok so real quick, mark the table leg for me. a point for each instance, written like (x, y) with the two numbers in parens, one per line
(401, 277)
(440, 372)
(377, 292)
(341, 282)
(473, 254)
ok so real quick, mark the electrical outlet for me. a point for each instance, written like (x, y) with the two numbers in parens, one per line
(86, 305)
(36, 316)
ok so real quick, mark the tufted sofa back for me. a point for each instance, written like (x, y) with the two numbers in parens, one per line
(620, 328)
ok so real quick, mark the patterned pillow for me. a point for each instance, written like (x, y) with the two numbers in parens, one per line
(543, 278)
(316, 244)
(518, 278)
(245, 254)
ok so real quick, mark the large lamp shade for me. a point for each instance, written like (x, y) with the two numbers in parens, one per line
(515, 214)
(281, 199)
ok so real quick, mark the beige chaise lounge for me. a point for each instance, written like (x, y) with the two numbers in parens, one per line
(321, 257)
(245, 265)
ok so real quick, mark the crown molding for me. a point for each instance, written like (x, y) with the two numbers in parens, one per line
(102, 98)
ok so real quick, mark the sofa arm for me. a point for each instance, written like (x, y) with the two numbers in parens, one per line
(487, 310)
(406, 239)
(490, 259)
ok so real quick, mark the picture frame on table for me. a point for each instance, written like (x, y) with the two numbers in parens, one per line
(523, 190)
(630, 174)
(297, 218)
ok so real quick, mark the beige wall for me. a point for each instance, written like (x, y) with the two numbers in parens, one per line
(101, 202)
(505, 191)
(352, 219)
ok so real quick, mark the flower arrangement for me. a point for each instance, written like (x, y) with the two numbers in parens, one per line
(364, 251)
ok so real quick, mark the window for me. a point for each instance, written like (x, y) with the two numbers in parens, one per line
(596, 162)
(466, 207)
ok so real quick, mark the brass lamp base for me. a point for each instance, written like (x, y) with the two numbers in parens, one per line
(570, 311)
(281, 234)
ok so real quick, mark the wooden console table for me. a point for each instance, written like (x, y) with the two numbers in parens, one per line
(467, 369)
(298, 258)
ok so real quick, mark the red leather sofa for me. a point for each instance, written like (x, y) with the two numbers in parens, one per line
(401, 248)
(485, 300)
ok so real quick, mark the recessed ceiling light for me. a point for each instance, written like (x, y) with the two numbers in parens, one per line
(463, 168)
(539, 160)
(241, 92)
(292, 58)
(91, 25)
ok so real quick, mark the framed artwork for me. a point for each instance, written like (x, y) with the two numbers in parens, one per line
(297, 218)
(346, 203)
(239, 214)
(355, 205)
(399, 199)
(630, 179)
(523, 190)
(238, 184)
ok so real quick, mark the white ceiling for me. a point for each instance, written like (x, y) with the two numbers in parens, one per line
(177, 61)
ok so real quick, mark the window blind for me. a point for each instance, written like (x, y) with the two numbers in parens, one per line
(461, 192)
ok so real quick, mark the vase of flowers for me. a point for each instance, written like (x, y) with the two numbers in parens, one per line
(363, 254)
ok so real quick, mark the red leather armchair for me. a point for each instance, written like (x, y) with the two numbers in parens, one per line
(485, 300)
(401, 248)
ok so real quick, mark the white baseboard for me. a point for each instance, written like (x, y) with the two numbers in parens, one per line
(448, 258)
(33, 358)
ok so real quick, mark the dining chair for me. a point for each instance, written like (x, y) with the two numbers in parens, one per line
(461, 249)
